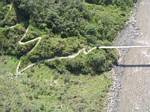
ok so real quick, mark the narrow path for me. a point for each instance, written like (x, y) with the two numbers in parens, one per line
(10, 8)
(84, 51)
(25, 43)
(11, 27)
(135, 92)
(78, 53)
(38, 39)
(30, 41)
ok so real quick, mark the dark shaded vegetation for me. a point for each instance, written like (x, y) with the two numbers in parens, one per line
(51, 47)
(66, 26)
(94, 63)
(9, 42)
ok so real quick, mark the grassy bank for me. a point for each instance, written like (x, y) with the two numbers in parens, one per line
(43, 90)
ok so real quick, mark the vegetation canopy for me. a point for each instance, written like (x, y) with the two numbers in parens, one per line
(32, 31)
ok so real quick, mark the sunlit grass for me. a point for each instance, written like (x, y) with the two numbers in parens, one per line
(45, 87)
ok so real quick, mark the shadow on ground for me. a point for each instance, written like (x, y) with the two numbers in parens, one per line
(133, 65)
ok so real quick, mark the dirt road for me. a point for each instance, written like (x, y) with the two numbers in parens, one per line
(135, 89)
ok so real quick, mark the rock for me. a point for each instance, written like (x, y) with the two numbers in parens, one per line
(125, 37)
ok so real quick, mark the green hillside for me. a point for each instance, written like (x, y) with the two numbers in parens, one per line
(35, 31)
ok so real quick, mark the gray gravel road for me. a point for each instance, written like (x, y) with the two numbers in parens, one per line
(135, 86)
(131, 86)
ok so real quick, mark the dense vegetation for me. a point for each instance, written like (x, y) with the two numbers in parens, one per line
(44, 90)
(59, 23)
(65, 26)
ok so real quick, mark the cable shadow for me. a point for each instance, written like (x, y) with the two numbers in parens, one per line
(133, 65)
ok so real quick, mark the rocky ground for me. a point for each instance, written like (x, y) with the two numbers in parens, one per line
(126, 38)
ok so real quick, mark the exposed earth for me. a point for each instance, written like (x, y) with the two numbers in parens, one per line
(131, 90)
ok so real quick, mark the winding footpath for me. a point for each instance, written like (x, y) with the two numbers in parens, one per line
(38, 39)
(84, 51)
(9, 11)
(135, 90)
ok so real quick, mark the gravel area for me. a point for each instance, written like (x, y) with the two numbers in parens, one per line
(126, 38)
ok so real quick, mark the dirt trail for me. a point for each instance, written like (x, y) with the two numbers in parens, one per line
(83, 50)
(9, 11)
(135, 92)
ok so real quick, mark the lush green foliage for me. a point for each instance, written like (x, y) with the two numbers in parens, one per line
(65, 27)
(94, 63)
(44, 90)
(51, 47)
(9, 42)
